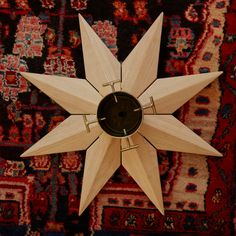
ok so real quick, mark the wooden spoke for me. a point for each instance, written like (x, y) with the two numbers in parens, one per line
(102, 160)
(141, 163)
(139, 69)
(171, 93)
(100, 64)
(76, 96)
(70, 135)
(165, 132)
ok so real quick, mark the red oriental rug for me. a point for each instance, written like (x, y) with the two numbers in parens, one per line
(40, 195)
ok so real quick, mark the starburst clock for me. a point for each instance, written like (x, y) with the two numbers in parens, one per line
(121, 113)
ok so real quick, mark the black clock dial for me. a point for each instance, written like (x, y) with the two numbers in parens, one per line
(119, 114)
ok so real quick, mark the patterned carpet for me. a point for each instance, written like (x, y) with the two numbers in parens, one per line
(40, 195)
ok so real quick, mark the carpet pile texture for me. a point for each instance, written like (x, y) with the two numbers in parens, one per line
(40, 195)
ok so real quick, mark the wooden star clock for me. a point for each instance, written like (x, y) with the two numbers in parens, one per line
(121, 113)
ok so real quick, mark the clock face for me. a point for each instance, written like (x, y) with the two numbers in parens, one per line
(119, 114)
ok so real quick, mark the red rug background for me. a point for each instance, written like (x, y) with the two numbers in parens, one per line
(40, 195)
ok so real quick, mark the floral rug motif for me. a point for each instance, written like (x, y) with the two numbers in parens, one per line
(41, 195)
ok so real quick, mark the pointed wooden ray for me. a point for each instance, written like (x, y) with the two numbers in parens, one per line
(141, 163)
(100, 64)
(165, 132)
(70, 135)
(102, 160)
(171, 93)
(139, 69)
(76, 96)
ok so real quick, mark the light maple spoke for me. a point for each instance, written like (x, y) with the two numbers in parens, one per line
(76, 96)
(139, 69)
(70, 135)
(102, 160)
(171, 93)
(101, 66)
(165, 132)
(141, 163)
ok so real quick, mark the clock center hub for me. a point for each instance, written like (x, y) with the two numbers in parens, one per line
(119, 114)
